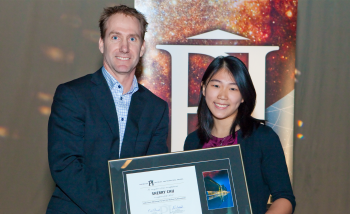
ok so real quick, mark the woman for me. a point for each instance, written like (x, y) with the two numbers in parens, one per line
(227, 101)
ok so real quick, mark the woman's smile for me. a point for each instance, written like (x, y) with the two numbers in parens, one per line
(220, 106)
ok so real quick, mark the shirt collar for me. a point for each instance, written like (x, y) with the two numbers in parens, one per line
(112, 82)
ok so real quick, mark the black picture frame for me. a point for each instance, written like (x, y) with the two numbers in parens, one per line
(205, 160)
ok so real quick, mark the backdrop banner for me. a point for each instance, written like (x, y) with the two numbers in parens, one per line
(183, 37)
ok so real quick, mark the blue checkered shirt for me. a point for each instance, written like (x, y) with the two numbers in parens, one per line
(121, 101)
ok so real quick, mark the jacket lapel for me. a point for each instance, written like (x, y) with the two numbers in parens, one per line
(138, 102)
(104, 99)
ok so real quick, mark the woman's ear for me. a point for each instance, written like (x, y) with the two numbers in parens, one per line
(203, 89)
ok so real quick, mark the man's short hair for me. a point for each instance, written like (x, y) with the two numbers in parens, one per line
(127, 11)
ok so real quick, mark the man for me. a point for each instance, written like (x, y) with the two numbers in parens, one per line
(103, 116)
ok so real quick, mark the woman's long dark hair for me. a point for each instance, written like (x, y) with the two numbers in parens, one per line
(245, 84)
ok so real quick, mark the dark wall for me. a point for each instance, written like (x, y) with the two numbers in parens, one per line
(322, 102)
(42, 43)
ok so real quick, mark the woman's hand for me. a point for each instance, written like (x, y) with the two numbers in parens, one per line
(280, 206)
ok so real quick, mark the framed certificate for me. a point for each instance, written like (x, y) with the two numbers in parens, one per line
(191, 182)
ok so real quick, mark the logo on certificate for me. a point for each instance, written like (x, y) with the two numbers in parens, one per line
(218, 189)
(150, 183)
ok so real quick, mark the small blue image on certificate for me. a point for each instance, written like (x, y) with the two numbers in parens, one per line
(218, 189)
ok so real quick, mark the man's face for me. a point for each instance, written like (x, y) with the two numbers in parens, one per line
(122, 46)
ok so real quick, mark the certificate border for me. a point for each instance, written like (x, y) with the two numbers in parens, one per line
(245, 179)
(126, 201)
(196, 150)
(110, 183)
(229, 162)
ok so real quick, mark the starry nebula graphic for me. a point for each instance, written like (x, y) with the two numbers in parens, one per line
(263, 22)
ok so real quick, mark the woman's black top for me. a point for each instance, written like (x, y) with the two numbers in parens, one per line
(264, 163)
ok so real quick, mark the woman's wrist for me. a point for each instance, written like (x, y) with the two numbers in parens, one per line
(280, 206)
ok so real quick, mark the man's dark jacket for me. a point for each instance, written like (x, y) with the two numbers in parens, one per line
(83, 135)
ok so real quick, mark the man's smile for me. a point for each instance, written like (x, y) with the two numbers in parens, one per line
(122, 58)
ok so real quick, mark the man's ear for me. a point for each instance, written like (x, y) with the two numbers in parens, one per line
(143, 48)
(101, 45)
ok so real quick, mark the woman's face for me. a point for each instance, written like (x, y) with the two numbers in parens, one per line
(223, 96)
